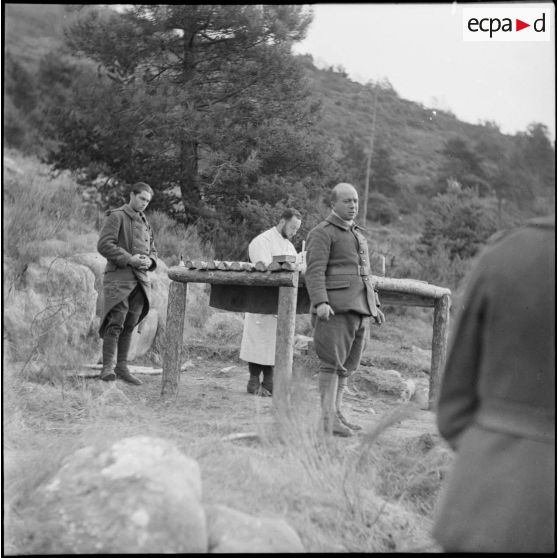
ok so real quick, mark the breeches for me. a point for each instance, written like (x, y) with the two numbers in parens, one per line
(124, 316)
(340, 341)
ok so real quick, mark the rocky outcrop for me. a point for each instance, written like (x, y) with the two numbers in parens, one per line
(142, 495)
(60, 302)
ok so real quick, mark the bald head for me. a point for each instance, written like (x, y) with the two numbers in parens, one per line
(344, 201)
(341, 189)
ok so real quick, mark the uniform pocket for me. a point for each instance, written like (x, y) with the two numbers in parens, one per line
(332, 284)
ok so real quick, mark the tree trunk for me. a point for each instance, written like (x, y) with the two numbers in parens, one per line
(190, 189)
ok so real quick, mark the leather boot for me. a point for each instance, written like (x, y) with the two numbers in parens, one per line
(341, 387)
(327, 383)
(267, 382)
(121, 368)
(109, 357)
(253, 386)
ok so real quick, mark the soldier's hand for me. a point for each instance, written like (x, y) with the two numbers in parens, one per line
(324, 311)
(380, 318)
(146, 261)
(139, 261)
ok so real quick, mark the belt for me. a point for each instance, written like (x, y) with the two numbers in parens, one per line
(362, 270)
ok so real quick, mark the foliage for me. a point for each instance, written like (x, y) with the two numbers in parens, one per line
(205, 103)
(43, 216)
(173, 239)
(383, 172)
(457, 222)
(381, 209)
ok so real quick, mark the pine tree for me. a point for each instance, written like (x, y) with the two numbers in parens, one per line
(200, 101)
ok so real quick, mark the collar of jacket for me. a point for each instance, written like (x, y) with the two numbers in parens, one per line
(338, 222)
(130, 212)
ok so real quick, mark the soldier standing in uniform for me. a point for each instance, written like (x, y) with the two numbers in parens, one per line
(126, 241)
(342, 299)
(259, 336)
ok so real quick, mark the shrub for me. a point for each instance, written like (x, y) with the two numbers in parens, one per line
(458, 222)
(381, 209)
(43, 216)
(173, 239)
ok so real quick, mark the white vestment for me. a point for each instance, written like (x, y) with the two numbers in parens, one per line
(258, 337)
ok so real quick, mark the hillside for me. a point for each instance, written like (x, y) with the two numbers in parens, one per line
(413, 134)
(31, 30)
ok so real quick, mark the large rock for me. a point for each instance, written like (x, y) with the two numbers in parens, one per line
(232, 531)
(56, 306)
(141, 495)
(385, 382)
(61, 303)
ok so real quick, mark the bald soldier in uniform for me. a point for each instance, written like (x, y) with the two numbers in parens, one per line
(126, 241)
(342, 300)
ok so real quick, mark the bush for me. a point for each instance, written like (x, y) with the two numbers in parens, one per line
(457, 222)
(381, 209)
(43, 216)
(173, 239)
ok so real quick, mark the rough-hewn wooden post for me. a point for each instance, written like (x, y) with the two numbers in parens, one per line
(439, 346)
(174, 331)
(284, 348)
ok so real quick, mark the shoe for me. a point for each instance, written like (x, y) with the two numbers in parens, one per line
(348, 424)
(124, 374)
(107, 375)
(337, 428)
(267, 382)
(267, 387)
(253, 386)
(265, 392)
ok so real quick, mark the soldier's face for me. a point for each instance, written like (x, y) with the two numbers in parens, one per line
(140, 201)
(346, 203)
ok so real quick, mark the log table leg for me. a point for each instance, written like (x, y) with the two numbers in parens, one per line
(284, 347)
(174, 331)
(439, 347)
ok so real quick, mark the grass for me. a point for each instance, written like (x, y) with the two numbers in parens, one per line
(371, 493)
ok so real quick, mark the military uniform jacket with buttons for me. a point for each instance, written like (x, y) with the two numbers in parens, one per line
(125, 233)
(338, 268)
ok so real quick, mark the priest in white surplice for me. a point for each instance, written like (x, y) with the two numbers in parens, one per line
(258, 338)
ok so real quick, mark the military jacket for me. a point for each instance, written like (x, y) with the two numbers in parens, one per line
(338, 268)
(125, 232)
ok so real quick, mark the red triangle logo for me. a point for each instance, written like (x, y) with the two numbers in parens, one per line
(519, 25)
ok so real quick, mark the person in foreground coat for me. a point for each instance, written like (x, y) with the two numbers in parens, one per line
(126, 241)
(259, 336)
(497, 403)
(343, 299)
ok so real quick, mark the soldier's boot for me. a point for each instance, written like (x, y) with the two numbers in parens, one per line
(331, 423)
(267, 382)
(341, 387)
(253, 386)
(121, 369)
(109, 358)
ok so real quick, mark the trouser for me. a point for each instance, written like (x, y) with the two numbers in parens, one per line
(120, 323)
(267, 370)
(340, 342)
(256, 369)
